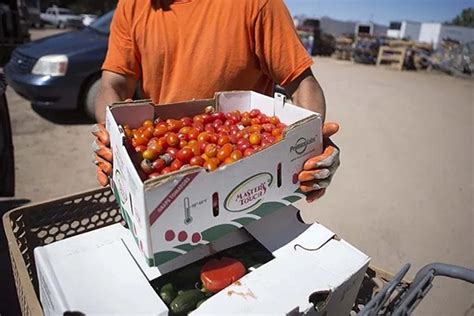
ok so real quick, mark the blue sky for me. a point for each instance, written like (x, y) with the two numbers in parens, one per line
(381, 11)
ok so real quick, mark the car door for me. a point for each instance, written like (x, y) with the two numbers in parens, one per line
(7, 170)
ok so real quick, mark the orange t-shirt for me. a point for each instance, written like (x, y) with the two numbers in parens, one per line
(199, 47)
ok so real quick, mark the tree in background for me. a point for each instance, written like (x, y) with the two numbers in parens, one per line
(465, 18)
(82, 6)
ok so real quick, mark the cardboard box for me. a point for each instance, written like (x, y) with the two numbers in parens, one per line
(174, 214)
(103, 272)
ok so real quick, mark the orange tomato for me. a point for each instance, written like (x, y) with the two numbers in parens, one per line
(236, 155)
(255, 139)
(225, 152)
(211, 150)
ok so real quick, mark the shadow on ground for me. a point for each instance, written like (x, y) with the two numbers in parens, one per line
(64, 117)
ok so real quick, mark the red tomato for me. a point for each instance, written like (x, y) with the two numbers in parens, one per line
(246, 121)
(166, 170)
(255, 121)
(217, 123)
(185, 130)
(140, 148)
(162, 142)
(202, 145)
(172, 151)
(186, 121)
(209, 128)
(263, 119)
(176, 165)
(154, 175)
(174, 125)
(233, 139)
(218, 116)
(255, 139)
(141, 140)
(249, 151)
(158, 165)
(206, 118)
(199, 126)
(182, 143)
(160, 130)
(213, 138)
(211, 150)
(268, 127)
(197, 161)
(198, 119)
(193, 133)
(217, 274)
(156, 147)
(185, 155)
(172, 139)
(254, 112)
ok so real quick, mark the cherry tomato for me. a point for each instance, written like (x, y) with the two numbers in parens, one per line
(228, 161)
(176, 165)
(182, 143)
(182, 136)
(147, 123)
(268, 127)
(154, 175)
(213, 138)
(172, 151)
(166, 170)
(186, 121)
(128, 132)
(217, 123)
(174, 125)
(274, 120)
(199, 126)
(224, 152)
(255, 139)
(218, 116)
(209, 128)
(140, 148)
(211, 150)
(276, 132)
(223, 140)
(198, 119)
(248, 152)
(162, 142)
(263, 119)
(233, 139)
(172, 139)
(197, 161)
(193, 142)
(206, 118)
(185, 130)
(223, 130)
(210, 166)
(185, 154)
(254, 112)
(236, 155)
(205, 157)
(202, 145)
(150, 154)
(246, 121)
(193, 133)
(140, 140)
(228, 123)
(255, 121)
(216, 161)
(158, 165)
(160, 130)
(203, 137)
(255, 128)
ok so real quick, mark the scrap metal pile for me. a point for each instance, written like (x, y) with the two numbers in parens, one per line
(454, 58)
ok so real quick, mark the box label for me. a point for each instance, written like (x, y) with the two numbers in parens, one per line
(249, 193)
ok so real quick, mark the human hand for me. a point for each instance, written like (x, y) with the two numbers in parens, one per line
(318, 171)
(103, 154)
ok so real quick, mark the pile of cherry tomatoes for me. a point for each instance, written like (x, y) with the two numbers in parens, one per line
(206, 140)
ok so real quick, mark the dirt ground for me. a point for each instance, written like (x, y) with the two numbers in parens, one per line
(404, 191)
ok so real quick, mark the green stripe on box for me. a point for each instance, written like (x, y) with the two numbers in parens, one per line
(244, 220)
(267, 208)
(292, 198)
(215, 232)
(165, 256)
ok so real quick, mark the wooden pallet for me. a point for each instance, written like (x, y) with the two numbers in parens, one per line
(393, 57)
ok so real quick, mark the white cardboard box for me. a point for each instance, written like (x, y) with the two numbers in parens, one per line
(172, 215)
(103, 272)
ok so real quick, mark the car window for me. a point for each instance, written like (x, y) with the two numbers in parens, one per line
(64, 11)
(102, 24)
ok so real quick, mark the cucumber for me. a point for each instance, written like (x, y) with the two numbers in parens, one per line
(167, 293)
(186, 301)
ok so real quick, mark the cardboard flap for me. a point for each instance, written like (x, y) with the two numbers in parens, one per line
(283, 233)
(141, 111)
(279, 102)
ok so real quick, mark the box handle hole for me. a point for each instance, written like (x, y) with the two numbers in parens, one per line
(279, 175)
(215, 204)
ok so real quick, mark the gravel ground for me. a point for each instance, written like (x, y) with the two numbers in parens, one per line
(404, 191)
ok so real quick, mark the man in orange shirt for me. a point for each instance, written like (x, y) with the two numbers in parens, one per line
(190, 49)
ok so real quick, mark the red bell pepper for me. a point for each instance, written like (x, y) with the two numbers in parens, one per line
(217, 274)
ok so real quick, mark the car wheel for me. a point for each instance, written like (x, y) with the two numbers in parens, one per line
(89, 98)
(61, 25)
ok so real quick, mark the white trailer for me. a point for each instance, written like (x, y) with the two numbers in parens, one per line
(435, 33)
(404, 30)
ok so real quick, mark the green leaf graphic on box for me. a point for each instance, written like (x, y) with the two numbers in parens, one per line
(300, 192)
(292, 198)
(215, 232)
(164, 256)
(186, 247)
(267, 208)
(244, 220)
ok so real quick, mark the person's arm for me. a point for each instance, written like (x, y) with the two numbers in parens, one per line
(114, 87)
(306, 92)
